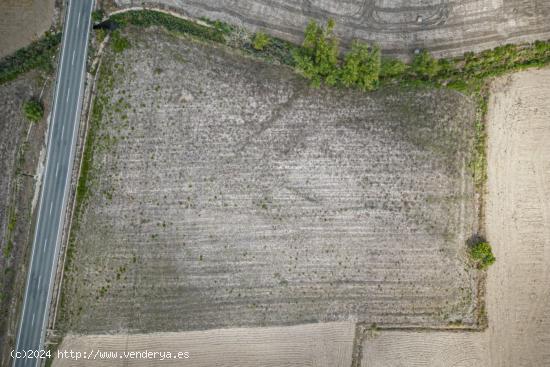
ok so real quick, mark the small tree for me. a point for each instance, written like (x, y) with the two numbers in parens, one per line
(318, 60)
(260, 41)
(361, 66)
(33, 110)
(482, 254)
(425, 65)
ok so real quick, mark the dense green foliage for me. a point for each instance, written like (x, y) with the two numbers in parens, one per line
(118, 42)
(260, 41)
(361, 67)
(33, 110)
(425, 66)
(38, 54)
(318, 60)
(391, 68)
(147, 18)
(482, 254)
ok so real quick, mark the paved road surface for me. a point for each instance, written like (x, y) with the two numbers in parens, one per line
(56, 180)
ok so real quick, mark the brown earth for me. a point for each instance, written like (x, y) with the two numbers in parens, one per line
(22, 22)
(225, 192)
(448, 27)
(518, 226)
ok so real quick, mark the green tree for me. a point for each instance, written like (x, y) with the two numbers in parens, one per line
(318, 59)
(361, 66)
(482, 254)
(425, 65)
(33, 110)
(260, 41)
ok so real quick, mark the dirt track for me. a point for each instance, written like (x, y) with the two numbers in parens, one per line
(518, 226)
(447, 27)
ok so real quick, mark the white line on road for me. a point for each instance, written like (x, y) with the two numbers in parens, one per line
(71, 157)
(32, 322)
(39, 279)
(56, 169)
(62, 131)
(44, 246)
(78, 21)
(74, 53)
(51, 207)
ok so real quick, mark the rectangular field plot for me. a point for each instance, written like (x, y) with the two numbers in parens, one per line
(226, 192)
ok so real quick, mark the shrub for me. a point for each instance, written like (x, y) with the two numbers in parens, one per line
(425, 65)
(118, 42)
(318, 59)
(33, 110)
(482, 254)
(260, 41)
(361, 66)
(391, 68)
(148, 18)
(97, 16)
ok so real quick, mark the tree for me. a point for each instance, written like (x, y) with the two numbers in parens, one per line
(425, 65)
(260, 41)
(318, 59)
(361, 66)
(33, 110)
(482, 254)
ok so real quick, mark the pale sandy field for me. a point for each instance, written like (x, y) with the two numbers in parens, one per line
(22, 22)
(320, 345)
(518, 226)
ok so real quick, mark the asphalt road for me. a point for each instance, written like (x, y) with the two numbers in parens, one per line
(56, 180)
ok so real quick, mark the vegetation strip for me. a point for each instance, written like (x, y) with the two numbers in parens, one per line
(37, 54)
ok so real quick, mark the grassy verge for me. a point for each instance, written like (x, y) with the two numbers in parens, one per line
(37, 54)
(148, 18)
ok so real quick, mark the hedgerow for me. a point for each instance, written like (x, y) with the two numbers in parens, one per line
(148, 18)
(38, 54)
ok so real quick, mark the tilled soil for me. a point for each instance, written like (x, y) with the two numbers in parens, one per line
(445, 27)
(226, 192)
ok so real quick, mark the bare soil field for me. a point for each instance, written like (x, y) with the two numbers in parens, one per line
(20, 146)
(22, 22)
(445, 27)
(313, 345)
(225, 192)
(518, 226)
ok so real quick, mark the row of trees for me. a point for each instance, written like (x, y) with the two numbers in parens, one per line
(362, 67)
